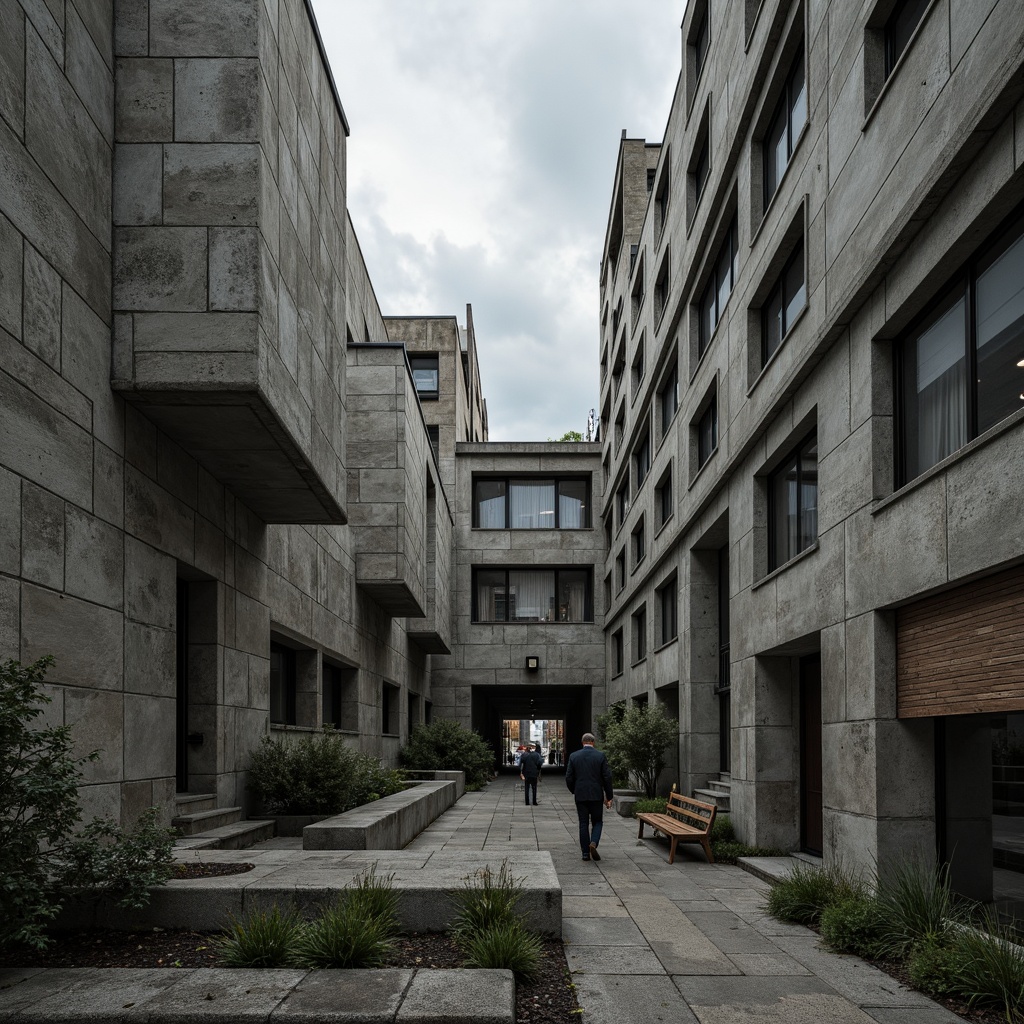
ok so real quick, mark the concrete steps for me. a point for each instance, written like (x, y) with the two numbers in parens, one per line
(194, 822)
(202, 825)
(239, 835)
(717, 792)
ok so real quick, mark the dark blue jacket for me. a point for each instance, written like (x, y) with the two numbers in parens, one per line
(530, 764)
(589, 775)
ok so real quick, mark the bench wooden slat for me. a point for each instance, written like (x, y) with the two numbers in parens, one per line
(685, 821)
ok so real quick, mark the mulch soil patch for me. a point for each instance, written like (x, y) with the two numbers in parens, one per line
(199, 870)
(548, 999)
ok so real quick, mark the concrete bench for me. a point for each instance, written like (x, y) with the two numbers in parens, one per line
(390, 823)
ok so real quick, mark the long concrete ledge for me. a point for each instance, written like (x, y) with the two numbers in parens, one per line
(310, 881)
(386, 824)
(171, 996)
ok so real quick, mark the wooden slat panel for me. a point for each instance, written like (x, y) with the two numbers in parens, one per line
(962, 652)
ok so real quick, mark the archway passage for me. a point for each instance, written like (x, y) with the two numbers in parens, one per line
(569, 706)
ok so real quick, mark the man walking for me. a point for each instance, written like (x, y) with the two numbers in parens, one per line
(529, 772)
(589, 778)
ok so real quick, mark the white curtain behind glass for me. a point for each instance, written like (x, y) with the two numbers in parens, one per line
(534, 595)
(572, 596)
(492, 512)
(570, 512)
(941, 388)
(531, 504)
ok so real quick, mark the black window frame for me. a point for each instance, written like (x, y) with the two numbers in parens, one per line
(895, 47)
(777, 559)
(639, 622)
(707, 432)
(961, 287)
(557, 481)
(642, 460)
(701, 35)
(664, 500)
(287, 682)
(668, 611)
(425, 361)
(638, 542)
(618, 653)
(668, 395)
(778, 288)
(784, 109)
(713, 286)
(588, 599)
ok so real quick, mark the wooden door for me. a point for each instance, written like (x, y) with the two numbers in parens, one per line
(811, 827)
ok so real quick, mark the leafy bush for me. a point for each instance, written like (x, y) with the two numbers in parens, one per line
(507, 946)
(487, 899)
(854, 924)
(445, 745)
(934, 967)
(45, 853)
(916, 903)
(605, 724)
(317, 775)
(262, 938)
(639, 741)
(344, 936)
(726, 852)
(656, 805)
(722, 830)
(803, 896)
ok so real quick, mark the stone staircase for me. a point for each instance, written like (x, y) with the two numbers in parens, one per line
(203, 825)
(717, 792)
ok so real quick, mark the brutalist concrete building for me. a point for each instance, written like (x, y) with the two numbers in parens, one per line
(812, 404)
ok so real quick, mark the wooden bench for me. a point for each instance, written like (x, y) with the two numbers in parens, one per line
(685, 821)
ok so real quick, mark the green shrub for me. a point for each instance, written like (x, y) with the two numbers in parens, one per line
(854, 924)
(317, 775)
(45, 852)
(934, 967)
(506, 946)
(730, 852)
(445, 745)
(803, 896)
(487, 899)
(344, 936)
(262, 938)
(722, 830)
(656, 805)
(639, 741)
(605, 724)
(990, 967)
(916, 903)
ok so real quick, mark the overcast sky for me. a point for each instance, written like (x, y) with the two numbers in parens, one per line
(481, 160)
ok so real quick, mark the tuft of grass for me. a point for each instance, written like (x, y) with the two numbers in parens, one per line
(344, 936)
(506, 946)
(486, 900)
(803, 896)
(854, 924)
(374, 897)
(916, 902)
(990, 967)
(262, 938)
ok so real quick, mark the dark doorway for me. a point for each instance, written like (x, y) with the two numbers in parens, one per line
(811, 825)
(181, 671)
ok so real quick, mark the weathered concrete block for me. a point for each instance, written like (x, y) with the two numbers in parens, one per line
(42, 307)
(211, 184)
(12, 63)
(87, 64)
(42, 533)
(150, 584)
(199, 28)
(138, 184)
(97, 719)
(11, 261)
(95, 559)
(149, 739)
(150, 659)
(234, 268)
(160, 268)
(216, 100)
(145, 100)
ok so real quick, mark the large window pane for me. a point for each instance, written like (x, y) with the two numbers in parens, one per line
(784, 514)
(490, 504)
(724, 274)
(1000, 333)
(572, 504)
(531, 596)
(797, 100)
(776, 155)
(572, 595)
(795, 291)
(808, 495)
(531, 504)
(793, 504)
(708, 317)
(491, 599)
(772, 325)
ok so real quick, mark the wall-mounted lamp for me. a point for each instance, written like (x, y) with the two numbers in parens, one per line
(532, 663)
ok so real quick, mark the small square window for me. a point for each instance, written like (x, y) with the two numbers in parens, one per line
(425, 375)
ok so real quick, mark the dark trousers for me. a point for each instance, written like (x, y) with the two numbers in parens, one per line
(530, 785)
(590, 811)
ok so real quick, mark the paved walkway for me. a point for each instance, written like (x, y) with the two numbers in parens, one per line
(648, 941)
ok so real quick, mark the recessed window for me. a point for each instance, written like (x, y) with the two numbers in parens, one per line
(900, 28)
(341, 696)
(622, 502)
(638, 292)
(618, 655)
(425, 375)
(668, 398)
(639, 543)
(784, 129)
(663, 502)
(642, 460)
(390, 708)
(639, 367)
(667, 616)
(528, 503)
(620, 570)
(961, 370)
(661, 197)
(283, 685)
(700, 40)
(651, 171)
(617, 367)
(707, 431)
(434, 437)
(532, 595)
(784, 304)
(701, 169)
(793, 504)
(661, 289)
(640, 634)
(718, 288)
(620, 429)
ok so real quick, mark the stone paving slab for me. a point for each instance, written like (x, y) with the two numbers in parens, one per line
(618, 999)
(598, 931)
(907, 1015)
(765, 965)
(445, 997)
(364, 996)
(593, 906)
(612, 960)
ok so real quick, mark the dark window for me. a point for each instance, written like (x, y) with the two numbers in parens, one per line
(707, 432)
(642, 460)
(899, 29)
(532, 595)
(784, 303)
(667, 611)
(640, 635)
(424, 375)
(638, 292)
(633, 250)
(639, 368)
(718, 289)
(434, 437)
(622, 502)
(701, 41)
(390, 707)
(668, 399)
(282, 684)
(961, 370)
(531, 504)
(701, 169)
(650, 178)
(618, 659)
(620, 570)
(340, 697)
(661, 290)
(663, 498)
(789, 117)
(661, 199)
(793, 504)
(639, 543)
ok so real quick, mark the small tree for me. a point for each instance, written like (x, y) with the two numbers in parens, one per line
(445, 745)
(46, 854)
(569, 435)
(639, 740)
(606, 723)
